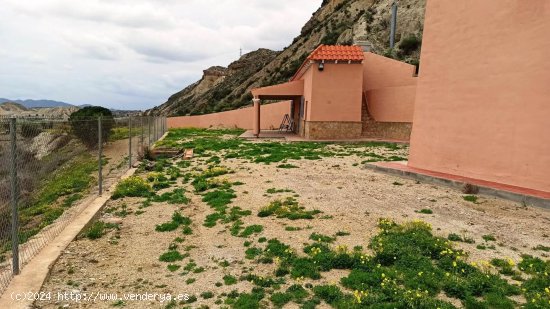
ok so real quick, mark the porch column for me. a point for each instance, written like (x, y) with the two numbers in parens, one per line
(256, 127)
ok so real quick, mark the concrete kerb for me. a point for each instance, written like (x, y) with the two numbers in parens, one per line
(455, 184)
(38, 269)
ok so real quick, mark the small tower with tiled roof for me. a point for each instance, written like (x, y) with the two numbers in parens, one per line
(331, 54)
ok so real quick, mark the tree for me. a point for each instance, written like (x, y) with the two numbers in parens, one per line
(84, 124)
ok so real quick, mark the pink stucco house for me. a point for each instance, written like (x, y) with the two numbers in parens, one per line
(479, 110)
(341, 92)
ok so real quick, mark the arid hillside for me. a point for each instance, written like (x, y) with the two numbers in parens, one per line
(16, 109)
(335, 22)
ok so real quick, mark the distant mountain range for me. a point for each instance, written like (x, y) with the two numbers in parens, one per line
(38, 103)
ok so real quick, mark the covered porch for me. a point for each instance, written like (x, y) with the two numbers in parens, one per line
(293, 91)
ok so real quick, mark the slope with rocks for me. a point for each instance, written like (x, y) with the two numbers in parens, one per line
(8, 108)
(16, 109)
(335, 22)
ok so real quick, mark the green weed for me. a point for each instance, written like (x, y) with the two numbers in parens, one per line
(288, 208)
(542, 248)
(171, 256)
(321, 238)
(342, 233)
(274, 190)
(218, 199)
(175, 197)
(292, 228)
(96, 230)
(425, 211)
(229, 280)
(251, 229)
(190, 281)
(470, 198)
(252, 253)
(177, 220)
(489, 237)
(173, 267)
(248, 301)
(287, 165)
(207, 295)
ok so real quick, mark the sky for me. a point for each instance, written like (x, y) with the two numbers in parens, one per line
(132, 54)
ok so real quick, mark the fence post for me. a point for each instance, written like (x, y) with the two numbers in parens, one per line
(155, 129)
(100, 150)
(142, 140)
(130, 142)
(149, 130)
(14, 198)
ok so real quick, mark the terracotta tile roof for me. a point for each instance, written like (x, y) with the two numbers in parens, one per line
(337, 52)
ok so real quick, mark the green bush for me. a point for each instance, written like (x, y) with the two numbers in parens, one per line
(329, 293)
(410, 44)
(171, 256)
(132, 186)
(96, 230)
(84, 124)
(229, 280)
(288, 208)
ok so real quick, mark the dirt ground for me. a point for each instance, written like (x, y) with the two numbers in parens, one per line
(351, 199)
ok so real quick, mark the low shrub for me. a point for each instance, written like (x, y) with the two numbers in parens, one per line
(133, 187)
(251, 229)
(410, 44)
(288, 208)
(96, 230)
(175, 197)
(229, 280)
(171, 256)
(470, 198)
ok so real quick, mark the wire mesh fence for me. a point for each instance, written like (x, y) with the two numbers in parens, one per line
(50, 168)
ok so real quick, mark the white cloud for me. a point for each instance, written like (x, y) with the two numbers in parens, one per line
(132, 53)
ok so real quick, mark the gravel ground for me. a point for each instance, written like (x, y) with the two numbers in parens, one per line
(351, 199)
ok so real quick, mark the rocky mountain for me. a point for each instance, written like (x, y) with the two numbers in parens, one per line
(336, 22)
(38, 103)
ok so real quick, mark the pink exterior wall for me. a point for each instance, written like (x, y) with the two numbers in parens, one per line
(308, 92)
(335, 92)
(271, 117)
(293, 88)
(390, 88)
(483, 100)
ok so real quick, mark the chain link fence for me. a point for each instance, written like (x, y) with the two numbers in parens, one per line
(51, 168)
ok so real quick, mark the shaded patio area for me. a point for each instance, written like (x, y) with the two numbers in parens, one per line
(293, 90)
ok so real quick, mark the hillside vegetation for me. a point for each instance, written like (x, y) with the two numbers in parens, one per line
(335, 22)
